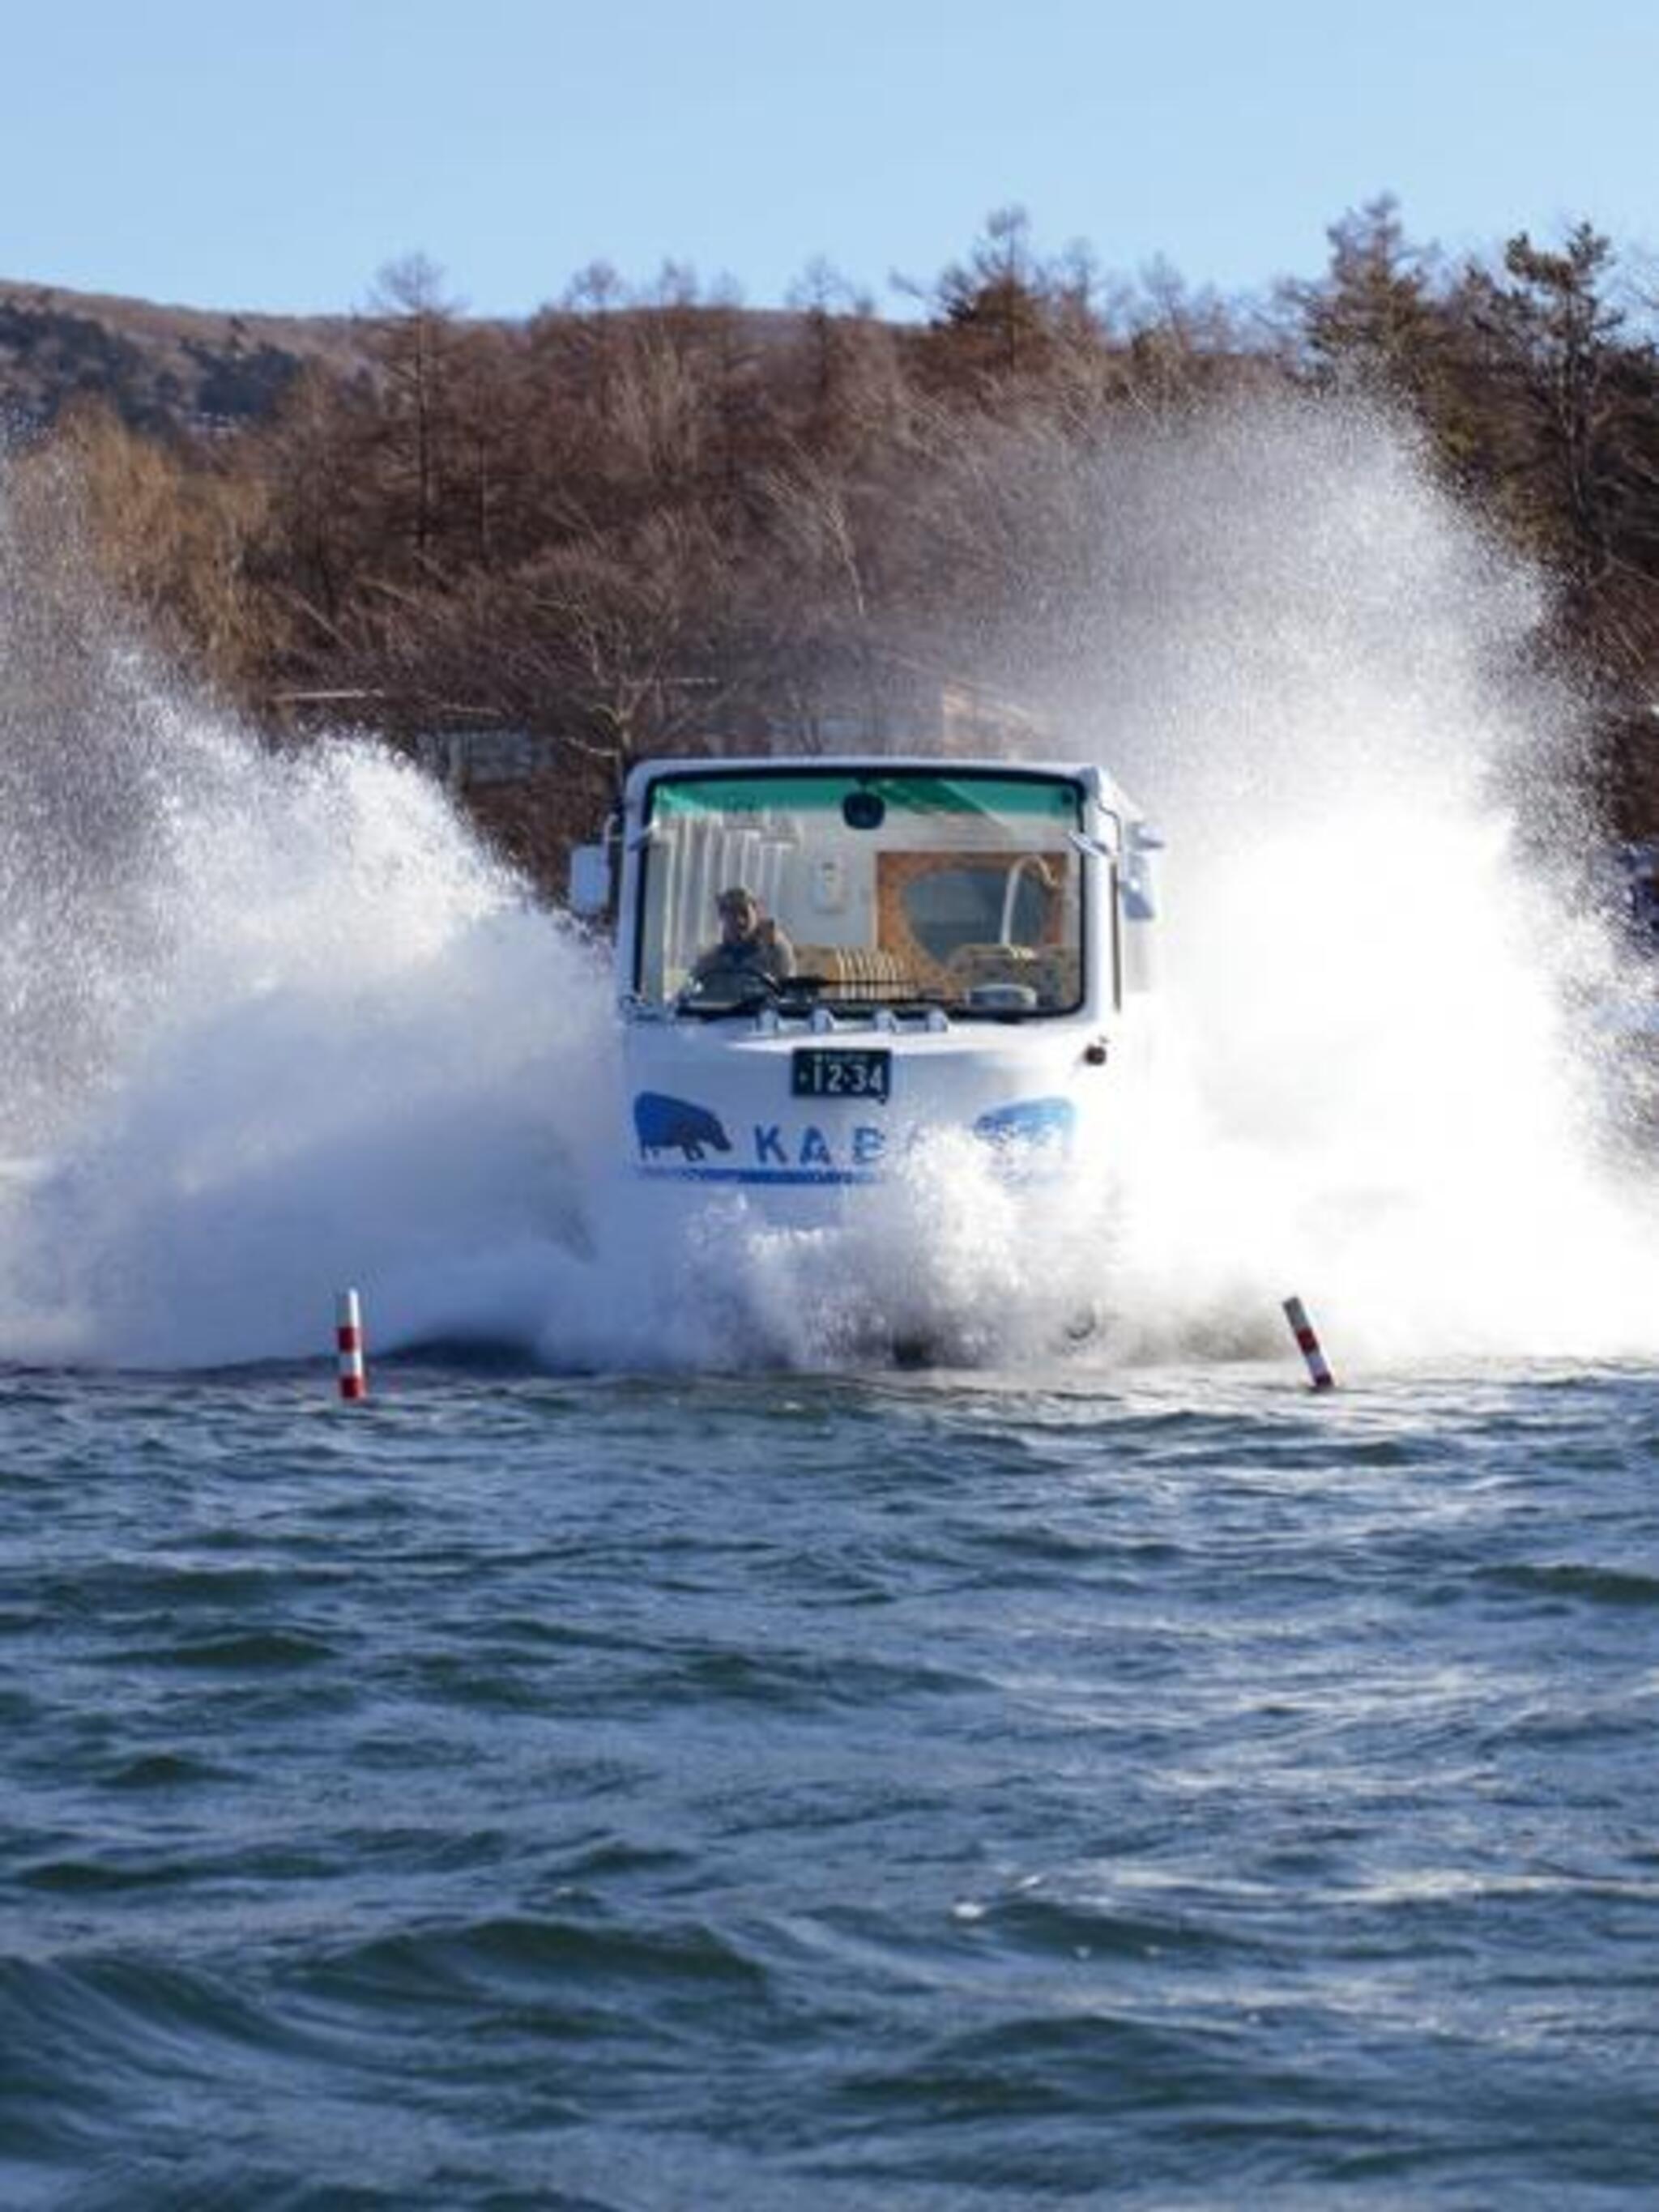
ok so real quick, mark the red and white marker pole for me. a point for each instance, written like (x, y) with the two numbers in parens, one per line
(1301, 1329)
(349, 1336)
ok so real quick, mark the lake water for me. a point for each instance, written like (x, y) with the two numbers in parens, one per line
(904, 1790)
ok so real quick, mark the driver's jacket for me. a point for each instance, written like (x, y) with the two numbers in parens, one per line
(771, 955)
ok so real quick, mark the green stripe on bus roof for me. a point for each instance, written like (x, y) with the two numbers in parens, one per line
(911, 794)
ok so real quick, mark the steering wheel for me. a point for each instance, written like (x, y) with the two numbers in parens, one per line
(730, 990)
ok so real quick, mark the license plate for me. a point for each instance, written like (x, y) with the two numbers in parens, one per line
(840, 1071)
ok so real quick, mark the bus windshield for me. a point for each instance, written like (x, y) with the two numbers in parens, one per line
(955, 888)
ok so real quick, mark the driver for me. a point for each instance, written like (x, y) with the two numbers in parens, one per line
(749, 944)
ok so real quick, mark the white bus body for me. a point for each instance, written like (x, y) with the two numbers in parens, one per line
(969, 941)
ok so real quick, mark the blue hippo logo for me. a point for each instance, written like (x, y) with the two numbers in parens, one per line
(675, 1125)
(1029, 1129)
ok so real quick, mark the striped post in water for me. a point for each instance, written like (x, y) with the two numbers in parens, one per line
(349, 1337)
(1301, 1329)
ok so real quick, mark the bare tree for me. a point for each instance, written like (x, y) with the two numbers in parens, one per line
(415, 342)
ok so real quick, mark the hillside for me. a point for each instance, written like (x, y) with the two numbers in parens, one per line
(164, 367)
(159, 366)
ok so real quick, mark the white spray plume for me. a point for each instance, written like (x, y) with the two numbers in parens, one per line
(279, 1023)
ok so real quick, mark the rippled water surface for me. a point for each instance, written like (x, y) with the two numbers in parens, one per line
(895, 1792)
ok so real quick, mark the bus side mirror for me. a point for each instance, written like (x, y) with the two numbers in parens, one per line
(590, 881)
(1139, 891)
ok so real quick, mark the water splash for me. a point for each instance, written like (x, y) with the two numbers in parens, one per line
(1379, 1085)
(278, 1022)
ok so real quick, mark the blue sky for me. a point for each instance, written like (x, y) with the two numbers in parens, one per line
(278, 159)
